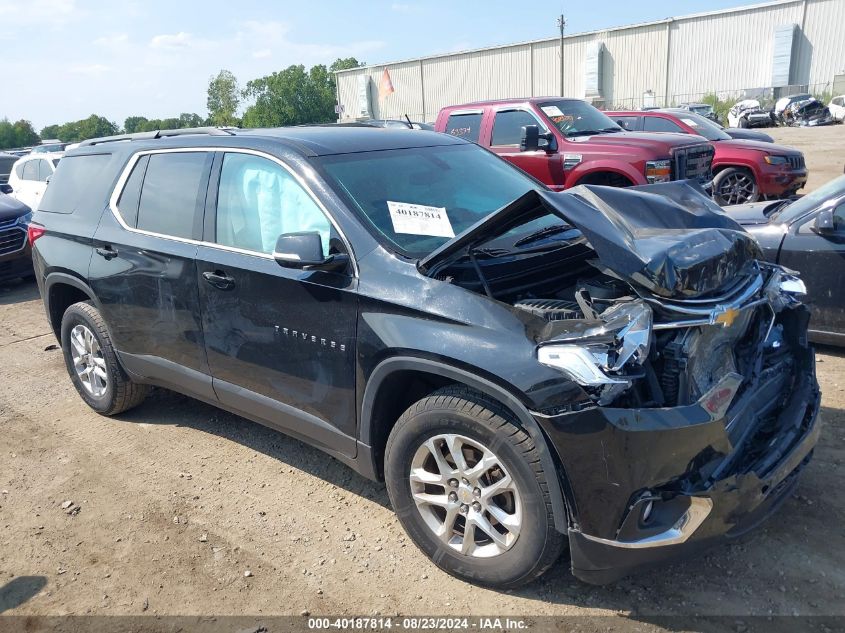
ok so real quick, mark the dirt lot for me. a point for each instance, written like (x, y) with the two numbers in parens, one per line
(178, 500)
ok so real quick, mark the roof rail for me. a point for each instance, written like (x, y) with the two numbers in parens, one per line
(154, 134)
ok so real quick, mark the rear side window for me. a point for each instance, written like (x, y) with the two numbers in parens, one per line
(80, 182)
(30, 170)
(127, 205)
(466, 126)
(173, 193)
(626, 122)
(659, 124)
(507, 126)
(44, 171)
(19, 170)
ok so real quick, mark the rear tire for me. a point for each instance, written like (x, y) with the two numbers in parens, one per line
(92, 362)
(450, 509)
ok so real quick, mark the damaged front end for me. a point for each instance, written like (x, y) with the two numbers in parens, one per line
(698, 397)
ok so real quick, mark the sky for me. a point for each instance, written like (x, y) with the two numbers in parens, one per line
(63, 60)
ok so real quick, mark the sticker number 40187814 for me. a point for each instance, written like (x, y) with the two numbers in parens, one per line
(419, 219)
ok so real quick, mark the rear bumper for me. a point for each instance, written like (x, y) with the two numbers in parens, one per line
(706, 478)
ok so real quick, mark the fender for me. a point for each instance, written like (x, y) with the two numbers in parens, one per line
(614, 166)
(511, 402)
(54, 278)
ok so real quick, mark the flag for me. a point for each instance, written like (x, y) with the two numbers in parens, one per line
(385, 86)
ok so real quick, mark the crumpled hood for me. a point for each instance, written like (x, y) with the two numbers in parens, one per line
(669, 238)
(11, 208)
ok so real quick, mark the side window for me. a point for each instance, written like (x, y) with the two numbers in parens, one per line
(508, 124)
(659, 124)
(839, 218)
(837, 101)
(626, 122)
(30, 170)
(173, 193)
(258, 200)
(466, 126)
(19, 170)
(130, 197)
(44, 171)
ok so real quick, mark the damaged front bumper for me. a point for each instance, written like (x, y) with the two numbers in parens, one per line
(648, 485)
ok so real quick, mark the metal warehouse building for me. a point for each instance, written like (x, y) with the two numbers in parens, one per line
(765, 50)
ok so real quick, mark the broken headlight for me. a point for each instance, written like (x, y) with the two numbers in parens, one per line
(598, 356)
(658, 171)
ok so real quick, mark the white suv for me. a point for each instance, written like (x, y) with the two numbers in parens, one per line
(29, 177)
(837, 108)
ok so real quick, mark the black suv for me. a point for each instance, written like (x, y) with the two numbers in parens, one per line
(613, 369)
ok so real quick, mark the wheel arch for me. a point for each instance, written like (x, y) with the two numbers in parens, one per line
(606, 176)
(395, 384)
(61, 291)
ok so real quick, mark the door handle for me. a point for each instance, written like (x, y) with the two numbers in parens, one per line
(106, 252)
(219, 279)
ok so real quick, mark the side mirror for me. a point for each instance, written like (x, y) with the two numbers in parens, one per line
(531, 137)
(824, 222)
(305, 251)
(7, 189)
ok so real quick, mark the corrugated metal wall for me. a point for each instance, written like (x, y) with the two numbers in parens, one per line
(677, 59)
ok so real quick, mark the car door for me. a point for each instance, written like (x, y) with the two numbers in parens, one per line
(820, 258)
(39, 186)
(280, 341)
(143, 271)
(24, 189)
(505, 138)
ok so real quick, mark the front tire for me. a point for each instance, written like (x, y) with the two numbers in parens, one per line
(735, 186)
(92, 363)
(469, 489)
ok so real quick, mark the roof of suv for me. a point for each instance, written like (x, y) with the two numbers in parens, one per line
(315, 140)
(514, 100)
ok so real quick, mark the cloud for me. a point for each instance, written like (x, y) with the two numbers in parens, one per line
(117, 40)
(89, 69)
(407, 9)
(172, 41)
(263, 53)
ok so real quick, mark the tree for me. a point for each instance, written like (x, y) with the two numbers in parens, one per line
(189, 119)
(294, 96)
(17, 134)
(51, 131)
(134, 124)
(223, 99)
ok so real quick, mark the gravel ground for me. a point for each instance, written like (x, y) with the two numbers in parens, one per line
(179, 508)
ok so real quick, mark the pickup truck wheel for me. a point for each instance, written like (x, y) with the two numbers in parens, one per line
(92, 362)
(468, 487)
(735, 186)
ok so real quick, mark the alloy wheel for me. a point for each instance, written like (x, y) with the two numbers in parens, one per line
(466, 496)
(88, 361)
(736, 188)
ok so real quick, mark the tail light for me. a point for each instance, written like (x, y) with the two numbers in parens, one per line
(33, 233)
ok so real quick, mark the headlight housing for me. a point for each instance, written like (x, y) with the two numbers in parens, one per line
(775, 160)
(598, 356)
(658, 171)
(25, 219)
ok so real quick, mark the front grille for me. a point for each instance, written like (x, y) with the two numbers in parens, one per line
(693, 163)
(796, 161)
(11, 239)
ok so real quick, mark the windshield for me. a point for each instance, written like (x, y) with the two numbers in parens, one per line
(701, 109)
(418, 199)
(704, 127)
(577, 118)
(794, 210)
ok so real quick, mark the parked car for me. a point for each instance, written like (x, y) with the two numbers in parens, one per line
(747, 134)
(784, 102)
(702, 109)
(49, 146)
(807, 113)
(567, 142)
(29, 177)
(837, 108)
(744, 171)
(398, 123)
(15, 256)
(6, 162)
(749, 113)
(522, 367)
(807, 235)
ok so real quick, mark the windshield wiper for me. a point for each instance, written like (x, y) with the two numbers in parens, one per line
(583, 133)
(611, 129)
(541, 233)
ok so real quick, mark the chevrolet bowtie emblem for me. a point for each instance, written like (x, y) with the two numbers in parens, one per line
(728, 317)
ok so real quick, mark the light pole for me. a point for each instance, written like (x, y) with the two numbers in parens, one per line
(561, 22)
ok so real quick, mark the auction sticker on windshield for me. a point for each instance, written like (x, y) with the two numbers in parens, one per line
(419, 219)
(552, 110)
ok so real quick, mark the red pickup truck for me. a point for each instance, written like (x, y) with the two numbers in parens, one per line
(567, 142)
